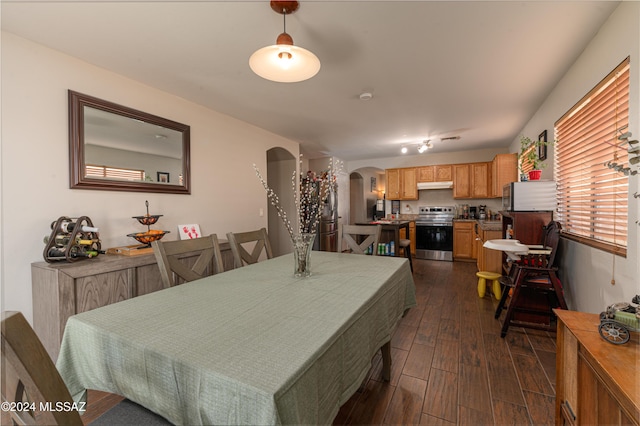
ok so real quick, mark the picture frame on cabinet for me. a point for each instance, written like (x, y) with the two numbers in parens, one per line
(542, 148)
(163, 177)
(189, 232)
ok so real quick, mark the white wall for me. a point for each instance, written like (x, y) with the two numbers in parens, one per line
(225, 194)
(586, 273)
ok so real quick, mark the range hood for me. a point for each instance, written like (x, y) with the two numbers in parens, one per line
(435, 185)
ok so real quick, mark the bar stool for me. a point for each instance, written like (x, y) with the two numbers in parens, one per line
(406, 245)
(483, 276)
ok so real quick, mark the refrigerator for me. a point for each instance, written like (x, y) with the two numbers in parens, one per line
(327, 236)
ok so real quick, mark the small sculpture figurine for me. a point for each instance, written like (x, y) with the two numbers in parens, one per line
(619, 320)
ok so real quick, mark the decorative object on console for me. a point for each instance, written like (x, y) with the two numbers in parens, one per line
(314, 191)
(189, 232)
(618, 320)
(71, 240)
(152, 234)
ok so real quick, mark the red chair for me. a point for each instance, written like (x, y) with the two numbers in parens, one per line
(535, 287)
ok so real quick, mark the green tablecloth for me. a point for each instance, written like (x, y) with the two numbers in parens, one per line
(253, 345)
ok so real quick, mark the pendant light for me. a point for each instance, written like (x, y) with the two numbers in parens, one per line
(284, 62)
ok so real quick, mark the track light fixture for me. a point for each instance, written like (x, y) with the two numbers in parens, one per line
(422, 148)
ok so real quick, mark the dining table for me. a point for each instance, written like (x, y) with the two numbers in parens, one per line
(254, 345)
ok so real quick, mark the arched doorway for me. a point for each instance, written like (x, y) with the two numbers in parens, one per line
(357, 206)
(367, 185)
(280, 166)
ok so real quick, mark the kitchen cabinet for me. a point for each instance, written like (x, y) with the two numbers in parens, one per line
(471, 180)
(411, 236)
(444, 173)
(392, 184)
(504, 170)
(487, 259)
(596, 381)
(464, 247)
(527, 226)
(480, 180)
(437, 173)
(427, 174)
(401, 184)
(63, 289)
(461, 181)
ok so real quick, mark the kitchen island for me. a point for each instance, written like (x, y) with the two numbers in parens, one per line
(391, 231)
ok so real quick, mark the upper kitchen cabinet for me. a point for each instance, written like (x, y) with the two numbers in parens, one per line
(402, 184)
(461, 181)
(472, 180)
(427, 174)
(438, 173)
(392, 185)
(504, 170)
(480, 180)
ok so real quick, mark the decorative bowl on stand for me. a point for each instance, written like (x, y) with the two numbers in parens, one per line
(148, 237)
(148, 219)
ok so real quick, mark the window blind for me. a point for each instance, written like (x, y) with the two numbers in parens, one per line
(592, 198)
(92, 170)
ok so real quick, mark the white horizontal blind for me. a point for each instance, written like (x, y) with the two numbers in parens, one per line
(92, 170)
(592, 198)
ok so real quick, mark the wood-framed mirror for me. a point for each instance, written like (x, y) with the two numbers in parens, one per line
(116, 148)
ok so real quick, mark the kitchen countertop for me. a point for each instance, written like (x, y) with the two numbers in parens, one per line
(490, 225)
(485, 225)
(385, 222)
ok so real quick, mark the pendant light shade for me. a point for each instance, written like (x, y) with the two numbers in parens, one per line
(283, 62)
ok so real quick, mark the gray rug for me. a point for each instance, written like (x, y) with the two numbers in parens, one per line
(129, 413)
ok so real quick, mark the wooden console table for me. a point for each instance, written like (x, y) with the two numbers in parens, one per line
(596, 382)
(61, 290)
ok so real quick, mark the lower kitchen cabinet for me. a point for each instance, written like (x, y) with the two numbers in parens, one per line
(464, 247)
(60, 290)
(487, 259)
(596, 381)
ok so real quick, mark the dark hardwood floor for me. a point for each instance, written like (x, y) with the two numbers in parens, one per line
(449, 363)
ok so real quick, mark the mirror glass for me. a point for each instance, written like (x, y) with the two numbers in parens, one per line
(118, 148)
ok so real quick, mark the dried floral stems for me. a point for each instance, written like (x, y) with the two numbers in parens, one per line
(275, 201)
(308, 200)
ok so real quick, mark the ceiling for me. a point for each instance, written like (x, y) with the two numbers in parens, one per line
(477, 69)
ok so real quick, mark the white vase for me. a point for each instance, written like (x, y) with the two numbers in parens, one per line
(302, 245)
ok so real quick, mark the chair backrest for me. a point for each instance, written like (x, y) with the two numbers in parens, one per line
(551, 238)
(29, 375)
(353, 235)
(241, 241)
(177, 266)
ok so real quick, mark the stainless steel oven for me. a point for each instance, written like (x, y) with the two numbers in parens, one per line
(434, 233)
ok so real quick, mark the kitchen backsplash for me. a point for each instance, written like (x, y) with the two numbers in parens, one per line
(441, 197)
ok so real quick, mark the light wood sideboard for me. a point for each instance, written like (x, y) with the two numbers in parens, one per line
(596, 382)
(61, 290)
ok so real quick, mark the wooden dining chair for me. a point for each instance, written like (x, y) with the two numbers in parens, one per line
(358, 238)
(176, 259)
(535, 287)
(31, 379)
(242, 242)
